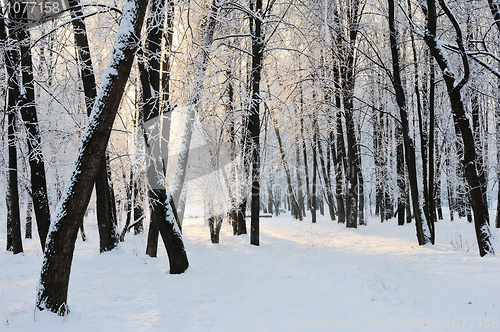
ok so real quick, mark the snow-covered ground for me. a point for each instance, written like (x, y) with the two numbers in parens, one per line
(303, 277)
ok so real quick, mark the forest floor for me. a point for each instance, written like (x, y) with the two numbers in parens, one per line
(303, 276)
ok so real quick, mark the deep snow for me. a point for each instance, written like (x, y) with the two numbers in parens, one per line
(303, 277)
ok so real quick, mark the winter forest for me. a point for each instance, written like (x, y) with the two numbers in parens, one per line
(232, 149)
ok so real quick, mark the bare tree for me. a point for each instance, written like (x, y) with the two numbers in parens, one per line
(454, 84)
(423, 231)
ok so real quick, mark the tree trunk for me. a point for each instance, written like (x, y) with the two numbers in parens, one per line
(298, 168)
(14, 241)
(200, 63)
(105, 203)
(438, 186)
(471, 164)
(314, 198)
(29, 220)
(215, 225)
(129, 191)
(348, 79)
(432, 120)
(138, 205)
(30, 119)
(294, 205)
(163, 213)
(327, 180)
(424, 142)
(149, 68)
(339, 161)
(400, 170)
(304, 152)
(9, 244)
(258, 46)
(423, 233)
(232, 140)
(54, 279)
(15, 218)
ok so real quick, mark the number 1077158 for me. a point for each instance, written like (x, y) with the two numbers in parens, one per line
(33, 11)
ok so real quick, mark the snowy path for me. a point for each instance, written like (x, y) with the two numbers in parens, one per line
(303, 276)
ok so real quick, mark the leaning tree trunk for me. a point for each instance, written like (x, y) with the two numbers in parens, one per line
(105, 202)
(54, 278)
(471, 163)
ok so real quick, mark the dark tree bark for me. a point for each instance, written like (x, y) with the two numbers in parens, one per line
(232, 213)
(470, 161)
(163, 212)
(258, 46)
(15, 219)
(215, 225)
(353, 162)
(149, 68)
(337, 166)
(129, 191)
(314, 195)
(348, 75)
(400, 170)
(338, 144)
(9, 244)
(298, 168)
(304, 152)
(29, 220)
(106, 208)
(245, 153)
(340, 162)
(449, 189)
(54, 279)
(326, 178)
(438, 187)
(105, 202)
(138, 207)
(156, 77)
(431, 144)
(423, 234)
(29, 115)
(14, 241)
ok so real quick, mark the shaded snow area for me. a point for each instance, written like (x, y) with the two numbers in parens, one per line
(303, 277)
